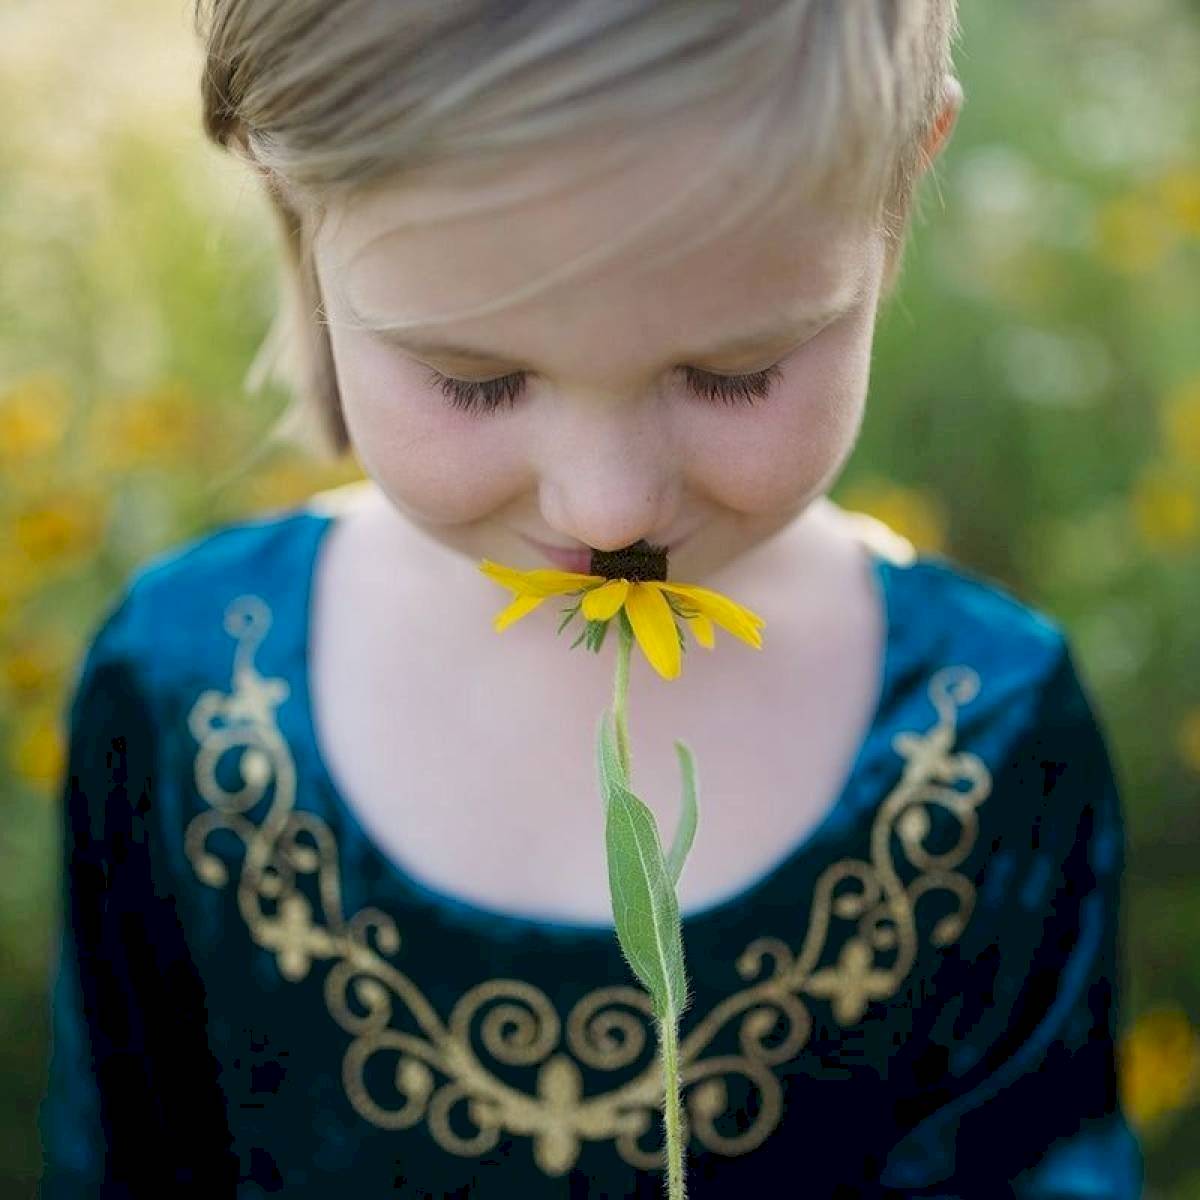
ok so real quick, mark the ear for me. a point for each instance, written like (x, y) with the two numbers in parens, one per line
(942, 126)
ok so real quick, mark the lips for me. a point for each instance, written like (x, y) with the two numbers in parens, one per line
(578, 561)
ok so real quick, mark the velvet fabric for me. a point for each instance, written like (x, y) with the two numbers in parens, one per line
(920, 999)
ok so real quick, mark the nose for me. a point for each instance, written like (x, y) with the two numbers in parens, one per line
(611, 484)
(610, 519)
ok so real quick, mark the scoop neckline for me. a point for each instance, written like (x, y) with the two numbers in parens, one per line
(483, 917)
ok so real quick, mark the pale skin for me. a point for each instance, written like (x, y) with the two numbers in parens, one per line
(605, 445)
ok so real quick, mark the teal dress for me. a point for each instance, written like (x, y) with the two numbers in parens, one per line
(919, 999)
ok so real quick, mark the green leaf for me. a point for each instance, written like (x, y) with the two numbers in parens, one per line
(645, 905)
(570, 613)
(685, 831)
(600, 636)
(645, 908)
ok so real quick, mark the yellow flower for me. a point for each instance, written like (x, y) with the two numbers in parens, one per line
(34, 416)
(60, 530)
(35, 664)
(646, 603)
(1181, 422)
(285, 482)
(913, 513)
(1165, 508)
(19, 578)
(36, 752)
(1180, 192)
(1130, 235)
(1159, 1068)
(164, 424)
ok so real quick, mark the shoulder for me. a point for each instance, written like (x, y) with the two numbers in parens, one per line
(999, 702)
(242, 553)
(1028, 713)
(961, 615)
(236, 550)
(945, 613)
(1027, 652)
(985, 615)
(997, 673)
(174, 611)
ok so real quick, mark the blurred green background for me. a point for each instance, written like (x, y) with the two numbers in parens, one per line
(1034, 413)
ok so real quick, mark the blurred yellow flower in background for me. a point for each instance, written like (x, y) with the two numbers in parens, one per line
(1181, 423)
(165, 424)
(1131, 234)
(37, 665)
(1023, 276)
(19, 578)
(37, 750)
(1179, 191)
(60, 530)
(1187, 739)
(912, 513)
(1159, 1065)
(34, 415)
(1165, 508)
(289, 480)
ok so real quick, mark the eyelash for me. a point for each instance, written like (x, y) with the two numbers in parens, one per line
(490, 395)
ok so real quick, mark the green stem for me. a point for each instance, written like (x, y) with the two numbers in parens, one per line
(668, 1040)
(620, 691)
(668, 1022)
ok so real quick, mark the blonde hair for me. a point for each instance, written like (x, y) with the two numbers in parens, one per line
(327, 100)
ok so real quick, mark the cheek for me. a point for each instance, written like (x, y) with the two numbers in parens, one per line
(433, 462)
(792, 444)
(447, 467)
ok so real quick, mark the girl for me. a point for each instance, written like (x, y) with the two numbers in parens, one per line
(335, 913)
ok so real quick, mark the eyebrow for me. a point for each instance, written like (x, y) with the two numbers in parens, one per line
(788, 329)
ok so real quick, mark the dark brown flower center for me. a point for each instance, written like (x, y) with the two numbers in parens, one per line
(637, 563)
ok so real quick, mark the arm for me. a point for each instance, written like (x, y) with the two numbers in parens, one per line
(1037, 1116)
(131, 1105)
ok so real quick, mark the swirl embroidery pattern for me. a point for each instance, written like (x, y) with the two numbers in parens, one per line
(440, 1069)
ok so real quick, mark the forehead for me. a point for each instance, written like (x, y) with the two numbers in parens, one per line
(427, 252)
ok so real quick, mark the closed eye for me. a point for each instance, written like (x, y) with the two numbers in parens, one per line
(491, 395)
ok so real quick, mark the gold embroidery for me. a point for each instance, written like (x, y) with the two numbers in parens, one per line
(526, 1030)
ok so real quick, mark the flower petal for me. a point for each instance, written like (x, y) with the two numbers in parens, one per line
(515, 611)
(542, 583)
(654, 627)
(739, 621)
(702, 630)
(601, 603)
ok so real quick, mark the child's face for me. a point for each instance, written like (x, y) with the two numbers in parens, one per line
(606, 440)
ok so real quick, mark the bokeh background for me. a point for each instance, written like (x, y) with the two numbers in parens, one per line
(1034, 413)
